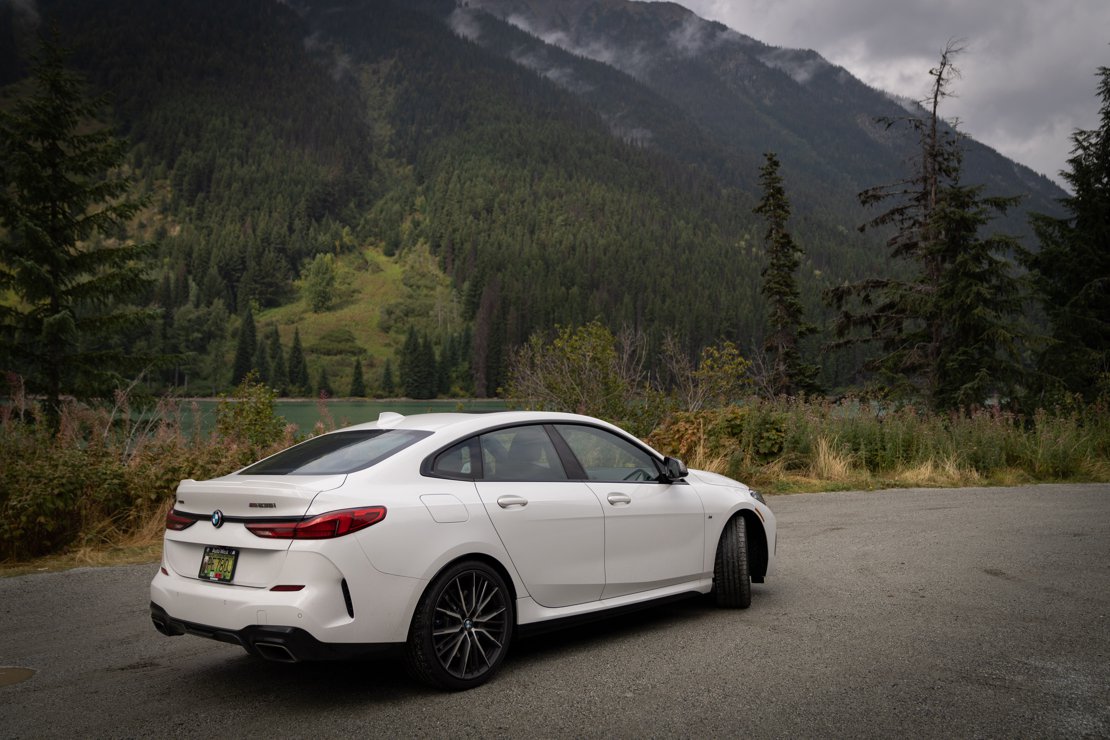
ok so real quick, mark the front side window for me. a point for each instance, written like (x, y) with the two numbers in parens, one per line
(607, 457)
(337, 453)
(520, 454)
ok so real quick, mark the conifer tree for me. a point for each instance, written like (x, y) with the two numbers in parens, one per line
(244, 349)
(63, 204)
(323, 384)
(788, 373)
(299, 383)
(389, 388)
(948, 333)
(279, 377)
(358, 383)
(1072, 269)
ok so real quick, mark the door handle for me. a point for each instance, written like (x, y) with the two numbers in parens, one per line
(506, 502)
(619, 499)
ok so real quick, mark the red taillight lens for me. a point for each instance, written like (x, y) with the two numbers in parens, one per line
(176, 522)
(323, 527)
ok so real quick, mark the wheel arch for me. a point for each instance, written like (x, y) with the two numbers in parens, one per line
(487, 559)
(758, 555)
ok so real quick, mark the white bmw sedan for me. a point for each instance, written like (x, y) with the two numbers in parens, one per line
(446, 535)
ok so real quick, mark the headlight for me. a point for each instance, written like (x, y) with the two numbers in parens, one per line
(757, 496)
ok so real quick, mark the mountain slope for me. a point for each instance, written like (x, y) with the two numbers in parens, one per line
(500, 183)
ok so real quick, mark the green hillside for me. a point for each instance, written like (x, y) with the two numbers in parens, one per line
(468, 195)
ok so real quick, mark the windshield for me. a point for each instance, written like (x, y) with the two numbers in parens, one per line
(336, 453)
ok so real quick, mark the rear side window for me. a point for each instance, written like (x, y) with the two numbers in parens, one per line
(337, 453)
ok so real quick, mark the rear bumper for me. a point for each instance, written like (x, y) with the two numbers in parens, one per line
(272, 642)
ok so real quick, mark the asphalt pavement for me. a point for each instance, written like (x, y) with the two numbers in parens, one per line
(924, 613)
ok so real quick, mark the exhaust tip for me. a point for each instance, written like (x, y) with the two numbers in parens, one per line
(275, 652)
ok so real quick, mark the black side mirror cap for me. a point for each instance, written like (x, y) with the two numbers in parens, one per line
(674, 469)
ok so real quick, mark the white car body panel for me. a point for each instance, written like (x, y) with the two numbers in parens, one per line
(572, 548)
(555, 538)
(654, 536)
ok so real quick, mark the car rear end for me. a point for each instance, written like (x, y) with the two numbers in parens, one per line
(248, 560)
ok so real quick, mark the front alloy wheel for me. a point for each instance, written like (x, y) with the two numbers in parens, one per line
(462, 627)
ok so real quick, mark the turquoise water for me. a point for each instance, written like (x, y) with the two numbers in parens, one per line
(343, 412)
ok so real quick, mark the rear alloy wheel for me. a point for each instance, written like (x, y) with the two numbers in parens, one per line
(732, 582)
(462, 627)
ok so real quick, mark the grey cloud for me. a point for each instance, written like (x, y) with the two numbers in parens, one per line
(1028, 73)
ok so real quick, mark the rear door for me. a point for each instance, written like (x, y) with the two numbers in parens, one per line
(552, 527)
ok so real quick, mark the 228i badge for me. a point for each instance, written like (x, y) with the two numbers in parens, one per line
(444, 536)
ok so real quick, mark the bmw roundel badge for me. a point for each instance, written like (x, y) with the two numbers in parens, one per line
(217, 518)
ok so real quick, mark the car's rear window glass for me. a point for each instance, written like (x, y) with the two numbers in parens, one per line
(339, 452)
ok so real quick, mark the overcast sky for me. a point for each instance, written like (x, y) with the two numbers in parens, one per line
(1028, 74)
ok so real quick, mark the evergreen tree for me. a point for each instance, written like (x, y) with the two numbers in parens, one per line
(947, 333)
(299, 384)
(389, 389)
(409, 362)
(1072, 269)
(358, 383)
(261, 364)
(323, 384)
(60, 194)
(245, 349)
(279, 377)
(787, 373)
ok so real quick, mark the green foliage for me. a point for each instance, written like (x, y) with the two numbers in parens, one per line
(318, 282)
(334, 342)
(947, 331)
(245, 349)
(786, 372)
(64, 204)
(1072, 269)
(773, 439)
(299, 384)
(358, 383)
(587, 370)
(247, 416)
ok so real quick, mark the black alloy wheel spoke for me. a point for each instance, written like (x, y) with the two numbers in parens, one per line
(470, 625)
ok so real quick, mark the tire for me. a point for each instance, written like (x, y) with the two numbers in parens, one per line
(462, 627)
(732, 583)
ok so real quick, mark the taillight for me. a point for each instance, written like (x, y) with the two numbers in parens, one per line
(176, 522)
(323, 527)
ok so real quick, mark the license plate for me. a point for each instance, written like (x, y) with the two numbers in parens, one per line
(218, 563)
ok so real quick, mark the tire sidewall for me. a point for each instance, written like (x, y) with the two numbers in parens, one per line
(420, 650)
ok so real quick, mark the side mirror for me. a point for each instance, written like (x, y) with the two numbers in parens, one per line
(674, 469)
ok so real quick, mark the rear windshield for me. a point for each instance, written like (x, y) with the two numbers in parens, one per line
(339, 452)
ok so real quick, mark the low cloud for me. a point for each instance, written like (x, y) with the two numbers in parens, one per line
(465, 24)
(1028, 72)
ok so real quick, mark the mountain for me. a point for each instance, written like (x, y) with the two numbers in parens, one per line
(744, 95)
(477, 172)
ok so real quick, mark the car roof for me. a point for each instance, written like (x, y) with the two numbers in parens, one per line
(462, 423)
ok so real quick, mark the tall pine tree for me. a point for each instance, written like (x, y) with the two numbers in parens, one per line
(787, 373)
(299, 383)
(245, 349)
(358, 383)
(1072, 269)
(63, 205)
(948, 333)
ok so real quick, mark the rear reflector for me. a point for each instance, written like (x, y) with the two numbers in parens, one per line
(176, 522)
(288, 587)
(322, 527)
